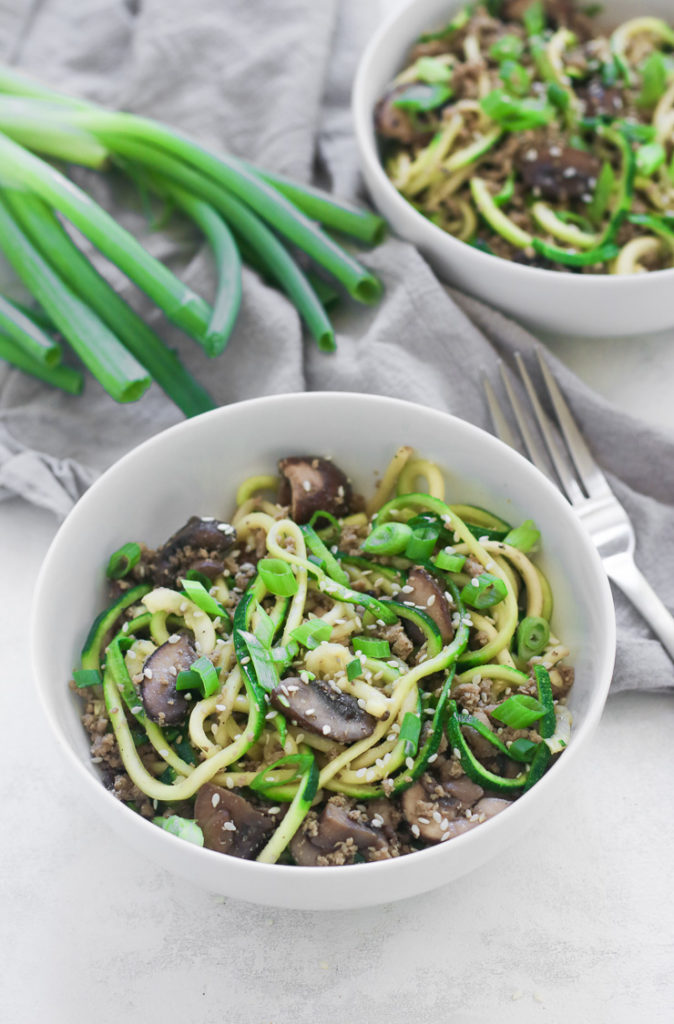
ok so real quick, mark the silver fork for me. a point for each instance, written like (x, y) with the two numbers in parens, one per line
(585, 486)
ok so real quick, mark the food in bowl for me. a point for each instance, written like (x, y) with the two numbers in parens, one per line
(324, 680)
(523, 130)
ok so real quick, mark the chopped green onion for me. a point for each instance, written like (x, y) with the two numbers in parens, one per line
(602, 194)
(371, 648)
(508, 47)
(516, 114)
(534, 19)
(201, 675)
(484, 591)
(123, 560)
(324, 557)
(649, 158)
(261, 656)
(548, 722)
(312, 633)
(410, 732)
(422, 542)
(87, 677)
(388, 539)
(653, 80)
(522, 749)
(184, 828)
(264, 625)
(523, 537)
(533, 634)
(558, 95)
(515, 77)
(448, 562)
(277, 576)
(519, 711)
(354, 669)
(431, 70)
(202, 599)
(421, 97)
(198, 577)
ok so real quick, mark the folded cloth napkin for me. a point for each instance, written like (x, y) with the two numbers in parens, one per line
(271, 81)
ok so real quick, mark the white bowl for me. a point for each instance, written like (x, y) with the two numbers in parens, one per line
(561, 303)
(195, 467)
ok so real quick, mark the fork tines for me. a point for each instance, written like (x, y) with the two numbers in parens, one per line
(574, 467)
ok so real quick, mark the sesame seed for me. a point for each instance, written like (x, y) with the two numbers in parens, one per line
(215, 799)
(306, 485)
(229, 826)
(273, 810)
(414, 829)
(147, 672)
(409, 763)
(326, 730)
(431, 601)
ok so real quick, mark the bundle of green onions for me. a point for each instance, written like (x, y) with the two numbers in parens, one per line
(241, 210)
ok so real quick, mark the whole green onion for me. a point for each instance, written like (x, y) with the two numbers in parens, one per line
(67, 378)
(371, 647)
(277, 576)
(117, 370)
(484, 591)
(123, 560)
(27, 335)
(533, 634)
(387, 539)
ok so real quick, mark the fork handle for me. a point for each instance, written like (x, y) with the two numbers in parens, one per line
(635, 586)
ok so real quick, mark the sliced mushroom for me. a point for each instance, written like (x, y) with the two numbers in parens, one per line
(480, 746)
(335, 828)
(601, 100)
(392, 122)
(429, 597)
(464, 791)
(556, 171)
(491, 806)
(317, 708)
(310, 484)
(230, 824)
(433, 817)
(201, 538)
(162, 702)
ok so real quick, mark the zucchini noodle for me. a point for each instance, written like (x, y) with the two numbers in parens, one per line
(311, 693)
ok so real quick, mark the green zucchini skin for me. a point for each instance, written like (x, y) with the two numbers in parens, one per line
(425, 623)
(103, 623)
(242, 616)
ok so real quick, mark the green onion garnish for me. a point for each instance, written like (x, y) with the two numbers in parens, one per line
(558, 95)
(649, 158)
(262, 658)
(484, 591)
(422, 97)
(522, 749)
(197, 593)
(201, 675)
(533, 634)
(431, 70)
(548, 722)
(515, 77)
(516, 114)
(508, 47)
(449, 562)
(410, 731)
(519, 711)
(310, 634)
(184, 828)
(323, 556)
(371, 647)
(653, 80)
(523, 537)
(87, 677)
(277, 576)
(354, 669)
(123, 560)
(421, 543)
(602, 194)
(534, 19)
(387, 539)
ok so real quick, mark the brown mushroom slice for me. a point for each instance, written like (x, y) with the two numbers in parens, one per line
(229, 823)
(332, 830)
(199, 538)
(162, 702)
(319, 709)
(392, 122)
(427, 815)
(556, 171)
(310, 484)
(464, 791)
(601, 100)
(427, 595)
(490, 806)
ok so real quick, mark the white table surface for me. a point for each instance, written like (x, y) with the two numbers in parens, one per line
(575, 923)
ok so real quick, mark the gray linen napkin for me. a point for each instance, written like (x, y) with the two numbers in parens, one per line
(271, 81)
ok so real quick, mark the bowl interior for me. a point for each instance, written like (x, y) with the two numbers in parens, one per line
(196, 467)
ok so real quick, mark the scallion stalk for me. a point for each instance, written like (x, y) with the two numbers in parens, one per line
(163, 364)
(117, 370)
(67, 378)
(27, 336)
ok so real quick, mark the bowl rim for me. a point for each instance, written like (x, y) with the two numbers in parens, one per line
(366, 141)
(144, 830)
